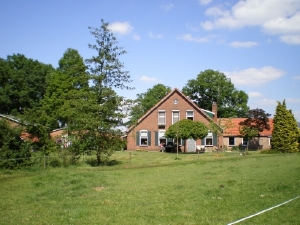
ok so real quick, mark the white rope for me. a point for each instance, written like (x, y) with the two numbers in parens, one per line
(263, 211)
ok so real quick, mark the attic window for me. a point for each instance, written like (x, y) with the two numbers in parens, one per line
(175, 101)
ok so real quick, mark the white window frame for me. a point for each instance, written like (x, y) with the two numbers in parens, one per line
(161, 119)
(161, 136)
(208, 137)
(233, 141)
(190, 111)
(143, 138)
(175, 111)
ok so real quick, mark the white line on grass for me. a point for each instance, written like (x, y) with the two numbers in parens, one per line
(263, 211)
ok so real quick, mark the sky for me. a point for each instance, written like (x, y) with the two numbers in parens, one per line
(255, 43)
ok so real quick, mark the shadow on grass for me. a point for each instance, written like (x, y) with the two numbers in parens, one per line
(94, 163)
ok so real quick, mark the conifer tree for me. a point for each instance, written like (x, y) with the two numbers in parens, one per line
(285, 132)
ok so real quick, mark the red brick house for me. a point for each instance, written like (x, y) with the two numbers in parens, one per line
(231, 136)
(149, 131)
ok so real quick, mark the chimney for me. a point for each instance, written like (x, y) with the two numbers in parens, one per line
(215, 111)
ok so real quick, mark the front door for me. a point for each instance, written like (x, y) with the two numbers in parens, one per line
(191, 145)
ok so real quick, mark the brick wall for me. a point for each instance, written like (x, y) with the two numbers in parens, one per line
(150, 123)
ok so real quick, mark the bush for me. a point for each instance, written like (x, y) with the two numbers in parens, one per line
(14, 152)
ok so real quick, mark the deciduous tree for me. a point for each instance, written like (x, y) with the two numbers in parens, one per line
(186, 129)
(213, 86)
(103, 108)
(146, 101)
(257, 121)
(22, 83)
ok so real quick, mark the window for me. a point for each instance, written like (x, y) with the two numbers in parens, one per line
(245, 141)
(231, 141)
(161, 136)
(144, 137)
(209, 139)
(190, 115)
(175, 116)
(161, 117)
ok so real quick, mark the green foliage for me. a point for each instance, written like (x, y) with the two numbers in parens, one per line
(65, 86)
(212, 86)
(14, 152)
(97, 111)
(22, 83)
(185, 129)
(285, 133)
(248, 132)
(146, 101)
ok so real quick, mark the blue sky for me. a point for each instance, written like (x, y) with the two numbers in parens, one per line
(256, 43)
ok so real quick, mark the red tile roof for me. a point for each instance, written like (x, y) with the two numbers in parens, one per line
(234, 124)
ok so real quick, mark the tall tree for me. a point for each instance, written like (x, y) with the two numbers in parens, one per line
(22, 83)
(103, 108)
(212, 86)
(146, 101)
(285, 133)
(64, 86)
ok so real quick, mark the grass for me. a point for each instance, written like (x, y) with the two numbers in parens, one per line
(154, 188)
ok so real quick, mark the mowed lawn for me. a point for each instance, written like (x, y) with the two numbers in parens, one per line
(154, 188)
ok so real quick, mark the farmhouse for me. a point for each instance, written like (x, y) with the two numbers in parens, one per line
(150, 129)
(231, 135)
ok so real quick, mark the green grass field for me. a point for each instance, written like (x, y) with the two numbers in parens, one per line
(154, 188)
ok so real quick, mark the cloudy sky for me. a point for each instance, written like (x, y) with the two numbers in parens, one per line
(254, 42)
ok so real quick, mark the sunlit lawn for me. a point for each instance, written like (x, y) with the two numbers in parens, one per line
(154, 188)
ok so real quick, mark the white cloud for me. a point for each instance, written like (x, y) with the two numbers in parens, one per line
(120, 27)
(246, 44)
(255, 76)
(274, 17)
(296, 77)
(267, 102)
(293, 100)
(136, 37)
(255, 94)
(150, 79)
(205, 2)
(189, 37)
(168, 7)
(151, 35)
(290, 39)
